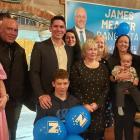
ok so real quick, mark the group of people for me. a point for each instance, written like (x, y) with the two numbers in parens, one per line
(66, 70)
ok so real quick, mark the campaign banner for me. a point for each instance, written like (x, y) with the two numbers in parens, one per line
(104, 19)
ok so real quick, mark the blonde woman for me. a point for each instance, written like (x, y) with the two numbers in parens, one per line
(103, 55)
(90, 83)
(103, 52)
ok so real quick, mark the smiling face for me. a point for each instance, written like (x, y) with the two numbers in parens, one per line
(100, 41)
(91, 53)
(123, 44)
(70, 39)
(90, 50)
(9, 30)
(57, 29)
(80, 18)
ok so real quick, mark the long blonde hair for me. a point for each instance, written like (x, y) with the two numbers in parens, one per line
(105, 52)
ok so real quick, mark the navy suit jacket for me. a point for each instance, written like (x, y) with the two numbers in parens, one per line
(43, 65)
(77, 49)
(89, 34)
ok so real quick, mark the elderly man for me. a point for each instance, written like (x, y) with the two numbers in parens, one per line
(13, 59)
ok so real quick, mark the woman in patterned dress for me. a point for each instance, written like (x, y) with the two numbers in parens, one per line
(90, 83)
(103, 55)
(3, 99)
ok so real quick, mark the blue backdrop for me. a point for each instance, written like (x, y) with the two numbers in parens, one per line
(103, 19)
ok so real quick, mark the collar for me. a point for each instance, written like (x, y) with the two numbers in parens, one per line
(56, 45)
(78, 29)
(58, 99)
(5, 44)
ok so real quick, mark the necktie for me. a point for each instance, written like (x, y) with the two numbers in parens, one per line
(81, 38)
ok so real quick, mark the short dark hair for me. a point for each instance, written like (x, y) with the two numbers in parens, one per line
(4, 15)
(60, 74)
(58, 18)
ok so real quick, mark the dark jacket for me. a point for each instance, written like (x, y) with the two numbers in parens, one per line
(43, 65)
(59, 108)
(13, 59)
(89, 34)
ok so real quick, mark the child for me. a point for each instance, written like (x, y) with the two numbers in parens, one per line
(3, 99)
(127, 86)
(61, 100)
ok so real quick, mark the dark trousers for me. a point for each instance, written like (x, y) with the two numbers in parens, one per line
(93, 136)
(123, 88)
(125, 124)
(13, 110)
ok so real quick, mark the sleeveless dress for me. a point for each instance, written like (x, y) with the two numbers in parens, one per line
(4, 135)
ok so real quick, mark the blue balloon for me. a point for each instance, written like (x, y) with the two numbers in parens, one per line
(122, 29)
(77, 120)
(49, 128)
(74, 137)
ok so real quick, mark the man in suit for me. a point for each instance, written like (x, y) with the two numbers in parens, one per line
(13, 59)
(80, 26)
(48, 56)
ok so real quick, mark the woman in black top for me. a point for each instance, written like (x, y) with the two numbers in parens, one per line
(103, 55)
(90, 83)
(71, 40)
(123, 124)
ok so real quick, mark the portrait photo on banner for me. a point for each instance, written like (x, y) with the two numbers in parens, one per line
(107, 20)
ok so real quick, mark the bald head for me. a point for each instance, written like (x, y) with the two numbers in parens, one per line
(8, 30)
(80, 18)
